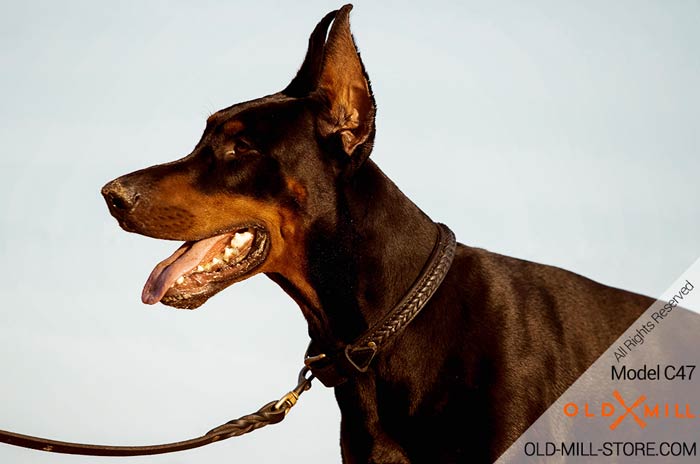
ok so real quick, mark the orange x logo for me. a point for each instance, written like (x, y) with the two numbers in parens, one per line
(628, 410)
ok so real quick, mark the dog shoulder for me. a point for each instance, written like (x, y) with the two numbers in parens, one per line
(500, 276)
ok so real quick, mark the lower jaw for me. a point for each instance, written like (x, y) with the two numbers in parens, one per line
(186, 301)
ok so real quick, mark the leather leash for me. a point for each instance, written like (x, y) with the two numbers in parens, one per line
(271, 413)
(331, 369)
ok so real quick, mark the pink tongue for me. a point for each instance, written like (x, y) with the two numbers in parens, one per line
(164, 275)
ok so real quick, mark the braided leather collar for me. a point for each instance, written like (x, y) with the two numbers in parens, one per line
(335, 369)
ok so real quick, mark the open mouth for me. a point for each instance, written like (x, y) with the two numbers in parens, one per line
(199, 269)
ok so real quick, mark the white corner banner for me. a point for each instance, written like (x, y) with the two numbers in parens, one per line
(639, 402)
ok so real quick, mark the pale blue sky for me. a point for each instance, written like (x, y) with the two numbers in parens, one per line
(560, 132)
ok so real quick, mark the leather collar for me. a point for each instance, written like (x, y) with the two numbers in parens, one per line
(333, 369)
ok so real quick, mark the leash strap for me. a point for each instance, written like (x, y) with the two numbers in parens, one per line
(335, 369)
(271, 413)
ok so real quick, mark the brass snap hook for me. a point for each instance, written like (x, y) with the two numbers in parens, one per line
(288, 401)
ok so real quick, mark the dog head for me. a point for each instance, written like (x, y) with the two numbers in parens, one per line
(262, 173)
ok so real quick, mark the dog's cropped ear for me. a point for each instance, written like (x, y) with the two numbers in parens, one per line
(345, 91)
(306, 79)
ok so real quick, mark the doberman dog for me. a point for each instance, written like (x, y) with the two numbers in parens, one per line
(282, 185)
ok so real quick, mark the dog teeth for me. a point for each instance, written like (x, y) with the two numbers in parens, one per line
(240, 239)
(180, 280)
(231, 252)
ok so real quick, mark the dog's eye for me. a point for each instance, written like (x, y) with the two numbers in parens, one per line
(239, 147)
(242, 146)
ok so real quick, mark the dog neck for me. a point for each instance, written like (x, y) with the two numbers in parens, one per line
(361, 259)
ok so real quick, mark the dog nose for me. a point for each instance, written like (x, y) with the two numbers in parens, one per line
(120, 199)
